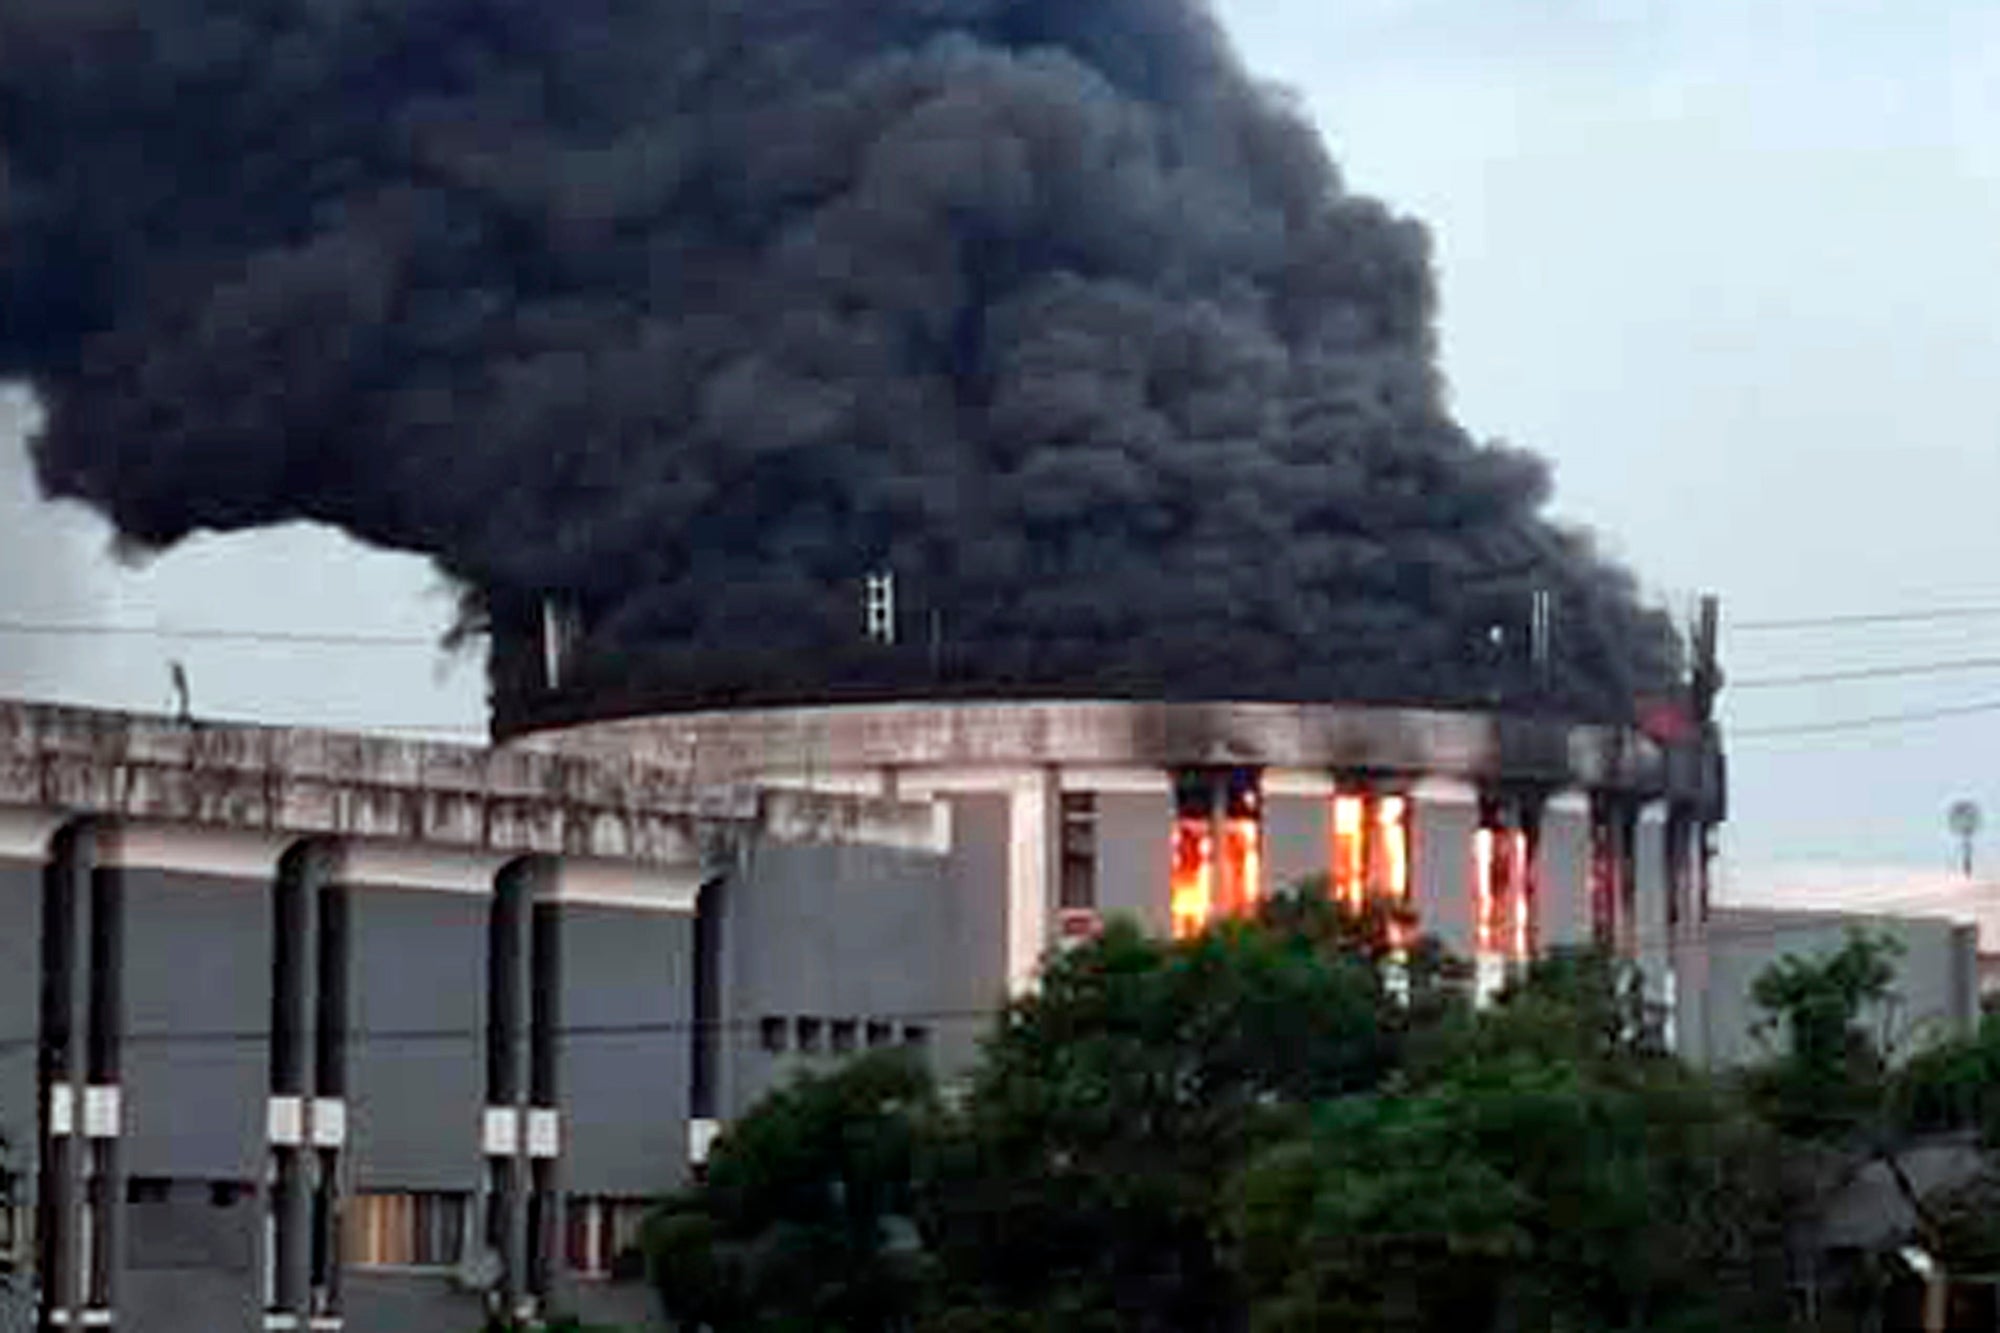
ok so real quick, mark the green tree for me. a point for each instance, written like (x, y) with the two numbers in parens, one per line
(1829, 1080)
(805, 1221)
(1112, 1105)
(1539, 1169)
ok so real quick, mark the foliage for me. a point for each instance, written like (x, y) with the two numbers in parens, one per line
(1546, 1173)
(804, 1220)
(1954, 1086)
(1113, 1104)
(1296, 1123)
(1830, 1079)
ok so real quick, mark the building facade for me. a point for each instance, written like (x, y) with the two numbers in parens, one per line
(312, 1031)
(1504, 834)
(319, 1031)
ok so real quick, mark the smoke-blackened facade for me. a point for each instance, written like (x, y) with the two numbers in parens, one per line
(693, 317)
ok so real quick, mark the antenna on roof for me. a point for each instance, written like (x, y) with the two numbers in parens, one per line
(878, 608)
(183, 696)
(559, 634)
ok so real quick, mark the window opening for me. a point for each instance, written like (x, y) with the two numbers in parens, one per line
(406, 1229)
(1079, 851)
(1193, 883)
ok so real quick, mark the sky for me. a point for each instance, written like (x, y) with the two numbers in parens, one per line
(1734, 268)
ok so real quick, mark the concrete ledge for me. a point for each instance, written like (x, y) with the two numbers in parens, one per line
(722, 747)
(296, 783)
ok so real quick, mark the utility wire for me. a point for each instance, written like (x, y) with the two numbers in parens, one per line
(1866, 618)
(1896, 672)
(1875, 722)
(217, 634)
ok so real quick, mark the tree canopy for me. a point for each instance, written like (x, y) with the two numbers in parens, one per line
(1293, 1123)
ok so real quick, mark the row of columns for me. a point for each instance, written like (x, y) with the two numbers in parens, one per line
(81, 1175)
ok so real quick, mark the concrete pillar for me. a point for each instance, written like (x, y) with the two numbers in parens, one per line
(1562, 872)
(1296, 829)
(1135, 856)
(1654, 880)
(64, 1023)
(1033, 873)
(1444, 817)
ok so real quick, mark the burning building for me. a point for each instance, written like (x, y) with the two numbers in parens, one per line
(998, 412)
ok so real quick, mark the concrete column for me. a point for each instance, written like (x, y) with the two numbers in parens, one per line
(1654, 880)
(64, 1023)
(297, 1169)
(1562, 872)
(1033, 873)
(1444, 817)
(1135, 856)
(1296, 829)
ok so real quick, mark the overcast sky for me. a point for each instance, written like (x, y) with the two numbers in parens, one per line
(1732, 266)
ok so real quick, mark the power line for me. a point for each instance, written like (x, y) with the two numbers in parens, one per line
(1874, 722)
(217, 634)
(752, 1027)
(1868, 673)
(1867, 618)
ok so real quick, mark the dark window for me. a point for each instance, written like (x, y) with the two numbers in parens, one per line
(879, 1034)
(226, 1193)
(771, 1034)
(916, 1034)
(841, 1035)
(1079, 851)
(1244, 800)
(809, 1032)
(148, 1189)
(1194, 794)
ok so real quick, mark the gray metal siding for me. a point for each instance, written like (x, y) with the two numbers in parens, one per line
(191, 1263)
(416, 1053)
(197, 988)
(20, 1004)
(1295, 839)
(1564, 881)
(1743, 942)
(629, 1307)
(852, 932)
(1135, 858)
(625, 1092)
(1441, 846)
(386, 1302)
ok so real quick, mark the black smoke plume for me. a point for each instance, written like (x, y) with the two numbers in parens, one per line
(690, 314)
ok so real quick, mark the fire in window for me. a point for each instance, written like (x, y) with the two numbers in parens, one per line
(1504, 861)
(1611, 874)
(1193, 886)
(1218, 848)
(1371, 850)
(1350, 851)
(1242, 844)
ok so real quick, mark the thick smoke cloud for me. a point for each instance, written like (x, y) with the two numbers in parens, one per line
(694, 312)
